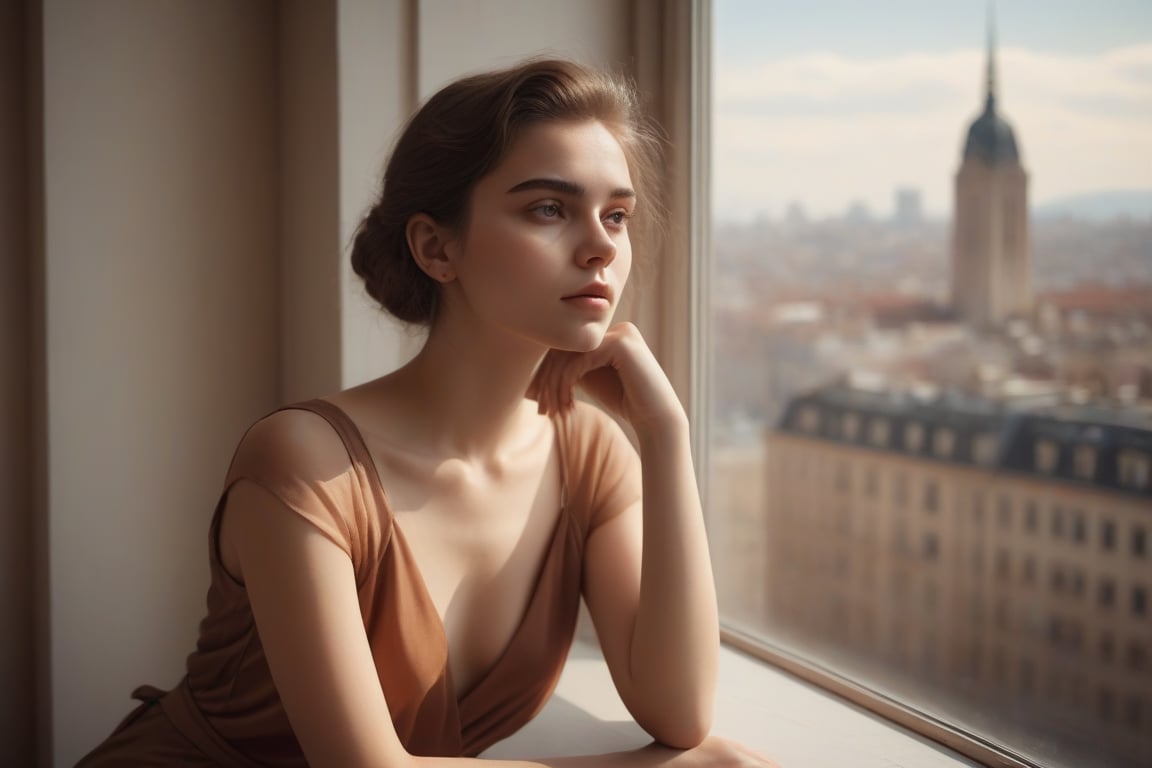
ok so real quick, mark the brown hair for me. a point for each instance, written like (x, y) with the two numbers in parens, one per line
(459, 136)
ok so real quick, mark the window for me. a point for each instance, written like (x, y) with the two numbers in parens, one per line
(1085, 462)
(1107, 535)
(914, 437)
(984, 448)
(1133, 468)
(1139, 602)
(1107, 593)
(943, 442)
(850, 426)
(1107, 648)
(1031, 515)
(900, 489)
(1139, 541)
(931, 496)
(1028, 573)
(1046, 454)
(1004, 512)
(809, 419)
(978, 507)
(927, 429)
(878, 432)
(1079, 530)
(1057, 522)
(1137, 656)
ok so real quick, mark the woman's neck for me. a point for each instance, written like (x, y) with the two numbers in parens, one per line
(466, 390)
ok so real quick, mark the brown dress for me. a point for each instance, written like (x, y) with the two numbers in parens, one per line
(227, 712)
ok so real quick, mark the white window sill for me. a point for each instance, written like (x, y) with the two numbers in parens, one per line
(790, 721)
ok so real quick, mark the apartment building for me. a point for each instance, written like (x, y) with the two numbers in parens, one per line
(998, 555)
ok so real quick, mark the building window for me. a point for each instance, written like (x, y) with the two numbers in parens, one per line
(1028, 573)
(914, 437)
(1107, 648)
(984, 447)
(809, 419)
(900, 489)
(1076, 583)
(1139, 541)
(1003, 565)
(1056, 579)
(1079, 533)
(931, 546)
(1031, 516)
(1004, 512)
(1133, 469)
(1139, 602)
(1107, 593)
(878, 432)
(1057, 522)
(1107, 535)
(850, 426)
(978, 507)
(1134, 713)
(931, 496)
(1045, 455)
(1137, 656)
(1084, 462)
(943, 442)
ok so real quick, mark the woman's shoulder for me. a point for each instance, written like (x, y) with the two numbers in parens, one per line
(589, 426)
(295, 438)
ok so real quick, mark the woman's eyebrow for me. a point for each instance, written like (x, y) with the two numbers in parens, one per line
(565, 187)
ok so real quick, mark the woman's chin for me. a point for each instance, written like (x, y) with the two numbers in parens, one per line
(587, 340)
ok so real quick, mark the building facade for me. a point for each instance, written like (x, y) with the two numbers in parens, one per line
(999, 559)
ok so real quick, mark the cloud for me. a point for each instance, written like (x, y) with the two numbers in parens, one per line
(828, 129)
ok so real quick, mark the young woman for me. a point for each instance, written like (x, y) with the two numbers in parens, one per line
(396, 568)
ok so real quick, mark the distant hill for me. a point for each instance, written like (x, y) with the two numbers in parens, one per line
(1099, 206)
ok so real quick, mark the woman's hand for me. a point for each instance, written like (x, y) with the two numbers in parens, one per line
(622, 374)
(713, 752)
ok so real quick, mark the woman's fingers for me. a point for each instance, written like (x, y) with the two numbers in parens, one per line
(621, 374)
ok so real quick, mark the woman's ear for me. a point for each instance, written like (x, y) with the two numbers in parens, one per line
(429, 243)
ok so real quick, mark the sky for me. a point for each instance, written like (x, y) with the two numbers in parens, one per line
(831, 103)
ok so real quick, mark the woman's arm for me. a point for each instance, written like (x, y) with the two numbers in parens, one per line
(303, 595)
(648, 579)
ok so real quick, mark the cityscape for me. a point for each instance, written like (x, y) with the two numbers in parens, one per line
(931, 444)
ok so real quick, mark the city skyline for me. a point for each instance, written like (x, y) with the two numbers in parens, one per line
(831, 115)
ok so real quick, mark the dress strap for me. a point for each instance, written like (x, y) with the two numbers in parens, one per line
(344, 426)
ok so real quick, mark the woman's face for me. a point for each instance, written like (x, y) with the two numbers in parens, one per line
(545, 253)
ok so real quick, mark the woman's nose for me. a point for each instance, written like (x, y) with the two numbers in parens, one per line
(597, 248)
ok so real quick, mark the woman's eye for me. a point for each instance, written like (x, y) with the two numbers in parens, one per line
(548, 210)
(619, 218)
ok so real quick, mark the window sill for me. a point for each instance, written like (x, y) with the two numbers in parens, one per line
(794, 723)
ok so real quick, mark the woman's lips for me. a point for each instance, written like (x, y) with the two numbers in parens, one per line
(588, 301)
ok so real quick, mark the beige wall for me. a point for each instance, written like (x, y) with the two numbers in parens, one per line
(197, 170)
(160, 208)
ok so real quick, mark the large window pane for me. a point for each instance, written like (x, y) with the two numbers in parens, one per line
(931, 343)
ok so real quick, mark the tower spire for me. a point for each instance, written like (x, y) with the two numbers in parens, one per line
(990, 96)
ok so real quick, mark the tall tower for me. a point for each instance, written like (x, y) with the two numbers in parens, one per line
(991, 265)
